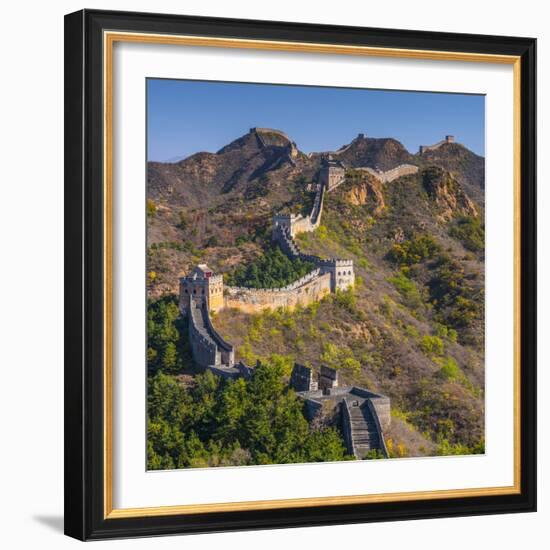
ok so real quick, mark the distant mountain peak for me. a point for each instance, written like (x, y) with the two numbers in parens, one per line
(381, 153)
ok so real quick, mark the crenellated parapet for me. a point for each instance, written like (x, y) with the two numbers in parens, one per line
(296, 223)
(270, 137)
(308, 289)
(203, 346)
(332, 173)
(308, 277)
(266, 131)
(203, 291)
(390, 175)
(204, 286)
(342, 273)
(425, 148)
(364, 415)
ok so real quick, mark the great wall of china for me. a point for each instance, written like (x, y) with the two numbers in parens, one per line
(363, 415)
(390, 175)
(425, 148)
(263, 135)
(328, 274)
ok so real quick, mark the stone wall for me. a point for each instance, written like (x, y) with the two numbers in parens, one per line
(381, 404)
(297, 224)
(207, 290)
(381, 424)
(207, 346)
(260, 131)
(312, 408)
(425, 148)
(393, 174)
(331, 177)
(227, 354)
(364, 415)
(328, 378)
(204, 349)
(342, 273)
(346, 428)
(312, 287)
(302, 378)
(301, 224)
(263, 133)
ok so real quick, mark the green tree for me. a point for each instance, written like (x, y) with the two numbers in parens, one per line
(431, 345)
(470, 232)
(272, 270)
(167, 349)
(415, 250)
(217, 422)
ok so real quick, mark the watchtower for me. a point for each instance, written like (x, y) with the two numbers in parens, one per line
(328, 379)
(302, 378)
(342, 274)
(204, 286)
(284, 221)
(332, 173)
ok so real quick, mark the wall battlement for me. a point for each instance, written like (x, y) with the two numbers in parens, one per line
(296, 223)
(310, 288)
(258, 130)
(207, 346)
(264, 134)
(292, 286)
(342, 273)
(203, 286)
(332, 173)
(364, 415)
(390, 175)
(425, 148)
(202, 291)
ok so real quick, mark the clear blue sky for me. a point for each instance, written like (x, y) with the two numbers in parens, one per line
(185, 117)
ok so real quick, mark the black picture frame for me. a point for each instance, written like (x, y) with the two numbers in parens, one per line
(84, 281)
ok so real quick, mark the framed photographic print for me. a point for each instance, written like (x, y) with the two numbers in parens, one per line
(300, 274)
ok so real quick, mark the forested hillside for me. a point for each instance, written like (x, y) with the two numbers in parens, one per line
(412, 328)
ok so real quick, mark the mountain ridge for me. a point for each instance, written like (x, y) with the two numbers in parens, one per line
(255, 154)
(412, 328)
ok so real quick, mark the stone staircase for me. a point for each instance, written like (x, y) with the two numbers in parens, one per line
(208, 347)
(364, 431)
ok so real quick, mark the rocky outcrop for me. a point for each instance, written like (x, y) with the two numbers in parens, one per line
(367, 191)
(447, 194)
(465, 166)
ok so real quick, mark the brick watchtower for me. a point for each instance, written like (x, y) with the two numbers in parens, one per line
(342, 274)
(332, 173)
(204, 286)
